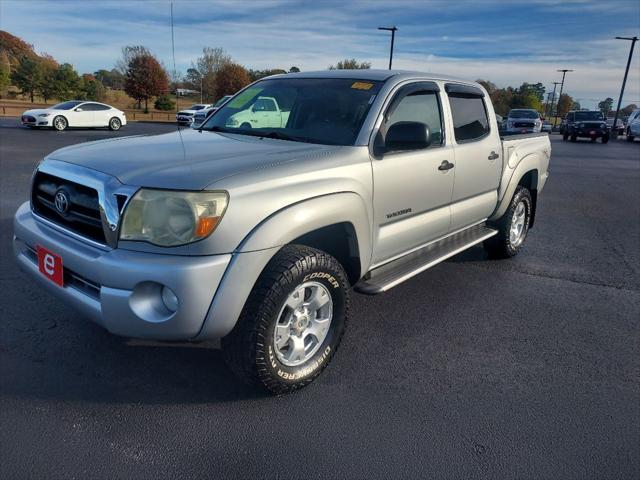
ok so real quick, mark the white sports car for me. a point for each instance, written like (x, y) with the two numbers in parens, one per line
(75, 113)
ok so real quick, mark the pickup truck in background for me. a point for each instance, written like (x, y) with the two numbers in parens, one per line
(256, 233)
(523, 120)
(264, 113)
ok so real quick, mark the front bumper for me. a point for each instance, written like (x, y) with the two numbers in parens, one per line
(184, 119)
(31, 121)
(589, 132)
(120, 289)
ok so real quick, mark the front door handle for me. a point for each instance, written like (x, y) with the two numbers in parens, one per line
(445, 165)
(493, 156)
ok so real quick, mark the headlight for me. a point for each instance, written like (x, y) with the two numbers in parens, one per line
(582, 125)
(44, 114)
(169, 218)
(509, 124)
(603, 126)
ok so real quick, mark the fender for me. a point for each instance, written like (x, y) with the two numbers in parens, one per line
(519, 163)
(265, 240)
(296, 220)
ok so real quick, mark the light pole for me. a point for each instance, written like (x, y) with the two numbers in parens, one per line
(553, 99)
(624, 81)
(393, 36)
(564, 72)
(201, 88)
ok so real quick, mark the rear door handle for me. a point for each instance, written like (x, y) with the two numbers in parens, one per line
(445, 165)
(493, 156)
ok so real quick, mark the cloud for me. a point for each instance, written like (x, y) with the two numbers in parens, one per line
(505, 41)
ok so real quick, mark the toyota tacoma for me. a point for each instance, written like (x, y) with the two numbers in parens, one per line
(256, 233)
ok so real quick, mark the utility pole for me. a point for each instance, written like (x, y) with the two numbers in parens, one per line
(393, 36)
(564, 72)
(201, 88)
(624, 81)
(553, 99)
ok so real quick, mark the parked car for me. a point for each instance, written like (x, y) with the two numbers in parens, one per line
(499, 120)
(185, 117)
(546, 127)
(585, 124)
(619, 123)
(256, 232)
(201, 115)
(75, 113)
(521, 120)
(633, 125)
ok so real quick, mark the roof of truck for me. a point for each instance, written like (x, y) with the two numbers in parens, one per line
(372, 74)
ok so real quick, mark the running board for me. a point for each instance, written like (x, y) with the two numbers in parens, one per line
(394, 273)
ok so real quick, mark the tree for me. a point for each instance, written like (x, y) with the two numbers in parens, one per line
(626, 111)
(67, 82)
(258, 74)
(203, 71)
(294, 69)
(490, 87)
(5, 72)
(92, 89)
(350, 64)
(110, 78)
(27, 76)
(565, 103)
(606, 106)
(46, 83)
(15, 48)
(164, 102)
(145, 79)
(230, 79)
(129, 53)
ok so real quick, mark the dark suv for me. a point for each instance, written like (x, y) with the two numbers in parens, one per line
(587, 124)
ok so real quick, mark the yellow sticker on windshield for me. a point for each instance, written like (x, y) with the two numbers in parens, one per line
(362, 85)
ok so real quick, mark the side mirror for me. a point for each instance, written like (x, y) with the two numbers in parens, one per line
(79, 109)
(407, 136)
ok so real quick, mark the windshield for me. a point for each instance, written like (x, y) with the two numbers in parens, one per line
(588, 116)
(222, 100)
(326, 111)
(523, 114)
(66, 105)
(196, 107)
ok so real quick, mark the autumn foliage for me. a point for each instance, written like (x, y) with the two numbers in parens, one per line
(145, 78)
(230, 79)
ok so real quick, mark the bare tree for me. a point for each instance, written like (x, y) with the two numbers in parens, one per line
(129, 53)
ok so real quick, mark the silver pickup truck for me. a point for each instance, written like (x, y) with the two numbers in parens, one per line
(256, 234)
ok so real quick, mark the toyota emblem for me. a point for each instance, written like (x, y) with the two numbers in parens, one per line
(62, 202)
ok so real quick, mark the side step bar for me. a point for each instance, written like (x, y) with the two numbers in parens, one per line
(394, 273)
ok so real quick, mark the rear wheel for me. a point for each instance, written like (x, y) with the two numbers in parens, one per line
(60, 123)
(115, 124)
(246, 126)
(629, 136)
(293, 321)
(574, 138)
(565, 136)
(512, 227)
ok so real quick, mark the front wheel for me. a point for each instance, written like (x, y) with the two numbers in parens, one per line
(574, 138)
(60, 123)
(293, 321)
(605, 139)
(115, 124)
(512, 227)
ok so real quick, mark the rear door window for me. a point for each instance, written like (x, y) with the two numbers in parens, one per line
(470, 119)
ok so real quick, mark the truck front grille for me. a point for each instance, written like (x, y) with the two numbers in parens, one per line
(524, 124)
(80, 213)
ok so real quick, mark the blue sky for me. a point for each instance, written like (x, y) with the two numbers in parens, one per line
(507, 42)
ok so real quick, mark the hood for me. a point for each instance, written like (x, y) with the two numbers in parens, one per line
(36, 111)
(187, 112)
(187, 159)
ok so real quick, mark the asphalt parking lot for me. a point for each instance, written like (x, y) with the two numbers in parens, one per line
(526, 368)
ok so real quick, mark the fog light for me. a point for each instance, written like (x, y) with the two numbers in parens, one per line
(169, 299)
